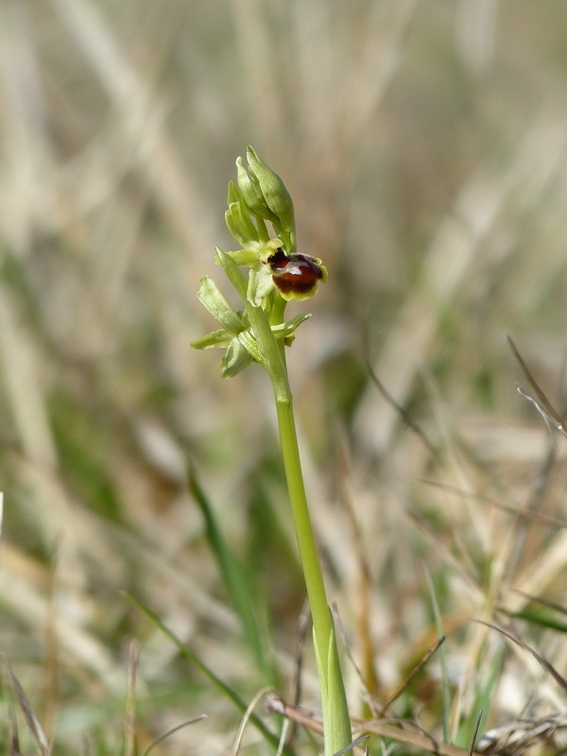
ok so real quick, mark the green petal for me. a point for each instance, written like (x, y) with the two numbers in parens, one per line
(269, 248)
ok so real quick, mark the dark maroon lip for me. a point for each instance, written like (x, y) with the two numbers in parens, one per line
(294, 273)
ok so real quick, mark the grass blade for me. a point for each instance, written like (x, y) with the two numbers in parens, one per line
(234, 579)
(225, 689)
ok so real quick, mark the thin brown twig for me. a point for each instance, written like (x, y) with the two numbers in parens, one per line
(413, 736)
(368, 676)
(520, 512)
(475, 732)
(130, 722)
(28, 713)
(418, 667)
(162, 736)
(540, 402)
(559, 679)
(402, 412)
(514, 738)
(544, 602)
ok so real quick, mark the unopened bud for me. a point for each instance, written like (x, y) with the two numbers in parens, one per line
(275, 196)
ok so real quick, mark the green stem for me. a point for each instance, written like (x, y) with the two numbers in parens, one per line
(336, 721)
(322, 618)
(304, 530)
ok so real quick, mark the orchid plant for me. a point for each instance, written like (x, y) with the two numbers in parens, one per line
(257, 203)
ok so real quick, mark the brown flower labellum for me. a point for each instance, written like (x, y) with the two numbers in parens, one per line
(296, 276)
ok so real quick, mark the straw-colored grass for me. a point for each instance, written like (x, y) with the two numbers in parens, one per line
(425, 147)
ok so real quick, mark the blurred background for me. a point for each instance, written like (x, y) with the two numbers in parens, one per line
(425, 147)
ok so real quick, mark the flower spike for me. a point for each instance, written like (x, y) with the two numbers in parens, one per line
(277, 273)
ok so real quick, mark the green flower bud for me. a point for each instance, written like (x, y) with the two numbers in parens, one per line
(238, 219)
(252, 193)
(276, 197)
(265, 195)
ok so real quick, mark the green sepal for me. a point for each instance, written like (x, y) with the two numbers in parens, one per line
(260, 284)
(248, 341)
(211, 298)
(287, 330)
(235, 276)
(245, 257)
(215, 340)
(235, 359)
